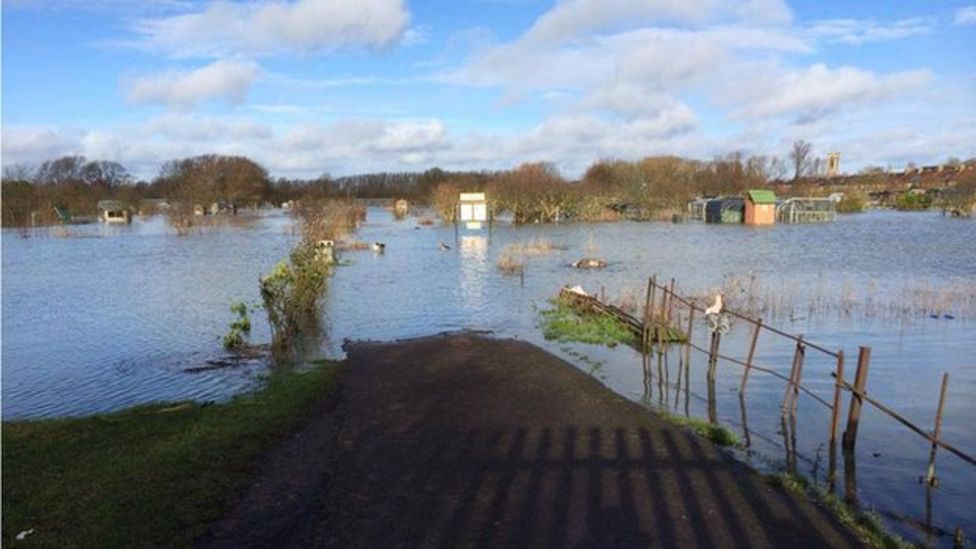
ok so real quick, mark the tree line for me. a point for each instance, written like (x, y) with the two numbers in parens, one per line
(648, 188)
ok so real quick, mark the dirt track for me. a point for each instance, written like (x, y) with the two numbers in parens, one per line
(461, 441)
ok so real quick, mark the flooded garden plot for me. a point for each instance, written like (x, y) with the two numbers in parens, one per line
(95, 324)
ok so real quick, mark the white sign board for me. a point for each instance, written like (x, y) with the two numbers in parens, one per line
(473, 207)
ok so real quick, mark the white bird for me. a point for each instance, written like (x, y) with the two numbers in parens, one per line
(379, 247)
(443, 246)
(716, 308)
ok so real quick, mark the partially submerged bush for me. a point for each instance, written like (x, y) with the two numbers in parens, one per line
(239, 329)
(327, 219)
(853, 202)
(291, 292)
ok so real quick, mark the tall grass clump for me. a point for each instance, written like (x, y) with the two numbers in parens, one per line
(510, 263)
(536, 246)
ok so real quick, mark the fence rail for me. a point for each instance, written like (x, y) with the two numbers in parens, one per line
(664, 316)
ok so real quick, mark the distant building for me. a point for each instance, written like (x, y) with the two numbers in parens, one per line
(760, 207)
(833, 164)
(112, 211)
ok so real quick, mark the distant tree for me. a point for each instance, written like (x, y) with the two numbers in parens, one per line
(104, 172)
(18, 172)
(62, 170)
(800, 158)
(210, 178)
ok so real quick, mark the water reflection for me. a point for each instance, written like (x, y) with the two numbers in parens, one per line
(473, 271)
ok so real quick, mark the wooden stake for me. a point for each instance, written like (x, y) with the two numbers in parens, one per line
(648, 299)
(835, 409)
(651, 297)
(854, 408)
(752, 353)
(713, 354)
(670, 301)
(801, 351)
(691, 323)
(786, 405)
(930, 472)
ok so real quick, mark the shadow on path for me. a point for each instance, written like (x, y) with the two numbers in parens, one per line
(460, 441)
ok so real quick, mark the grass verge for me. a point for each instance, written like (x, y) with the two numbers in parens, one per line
(561, 323)
(718, 434)
(866, 524)
(153, 475)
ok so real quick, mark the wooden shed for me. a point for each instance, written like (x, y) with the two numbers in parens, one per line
(760, 207)
(724, 210)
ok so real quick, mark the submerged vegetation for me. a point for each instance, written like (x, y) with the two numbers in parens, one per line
(154, 475)
(513, 257)
(562, 323)
(718, 434)
(747, 293)
(866, 524)
(292, 290)
(239, 329)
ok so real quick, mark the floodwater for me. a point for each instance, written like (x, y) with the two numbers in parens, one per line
(108, 317)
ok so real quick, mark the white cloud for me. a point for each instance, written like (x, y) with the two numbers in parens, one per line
(809, 94)
(229, 80)
(965, 16)
(856, 31)
(575, 18)
(259, 28)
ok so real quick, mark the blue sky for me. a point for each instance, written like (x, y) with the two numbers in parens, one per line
(323, 86)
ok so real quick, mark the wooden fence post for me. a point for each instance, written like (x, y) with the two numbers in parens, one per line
(854, 408)
(691, 324)
(835, 409)
(713, 354)
(801, 352)
(791, 384)
(752, 353)
(651, 295)
(664, 303)
(670, 302)
(930, 472)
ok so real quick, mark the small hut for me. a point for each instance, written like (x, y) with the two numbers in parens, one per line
(112, 211)
(400, 208)
(724, 210)
(760, 207)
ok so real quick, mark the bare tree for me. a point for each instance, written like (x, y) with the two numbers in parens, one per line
(800, 158)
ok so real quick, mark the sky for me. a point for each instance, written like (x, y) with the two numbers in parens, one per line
(312, 87)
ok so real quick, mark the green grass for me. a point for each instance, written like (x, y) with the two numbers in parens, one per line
(866, 524)
(561, 323)
(153, 475)
(718, 434)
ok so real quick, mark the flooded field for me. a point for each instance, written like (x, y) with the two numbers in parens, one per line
(103, 318)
